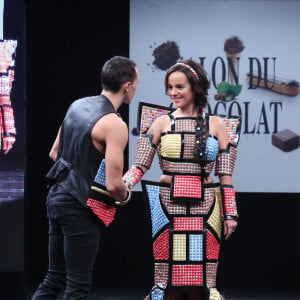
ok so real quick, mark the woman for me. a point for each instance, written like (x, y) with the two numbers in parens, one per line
(185, 206)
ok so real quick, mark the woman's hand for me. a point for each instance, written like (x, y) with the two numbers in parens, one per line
(128, 185)
(229, 227)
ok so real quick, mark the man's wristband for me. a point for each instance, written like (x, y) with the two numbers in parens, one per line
(124, 202)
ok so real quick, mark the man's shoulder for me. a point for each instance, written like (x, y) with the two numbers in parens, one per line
(92, 106)
(87, 99)
(81, 101)
(113, 120)
(109, 127)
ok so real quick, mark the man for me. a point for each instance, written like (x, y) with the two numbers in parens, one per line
(91, 131)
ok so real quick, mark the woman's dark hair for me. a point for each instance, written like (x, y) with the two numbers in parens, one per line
(117, 71)
(200, 84)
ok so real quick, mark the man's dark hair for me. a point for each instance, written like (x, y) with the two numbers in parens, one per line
(117, 71)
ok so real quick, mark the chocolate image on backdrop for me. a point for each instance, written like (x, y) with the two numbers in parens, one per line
(166, 55)
(233, 48)
(286, 140)
(228, 91)
(12, 136)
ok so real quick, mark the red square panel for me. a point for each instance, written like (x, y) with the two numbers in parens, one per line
(187, 275)
(188, 223)
(187, 186)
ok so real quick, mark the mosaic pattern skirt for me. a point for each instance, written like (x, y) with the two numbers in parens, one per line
(186, 238)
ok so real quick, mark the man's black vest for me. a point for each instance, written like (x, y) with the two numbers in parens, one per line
(78, 160)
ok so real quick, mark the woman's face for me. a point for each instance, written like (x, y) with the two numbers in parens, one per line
(180, 90)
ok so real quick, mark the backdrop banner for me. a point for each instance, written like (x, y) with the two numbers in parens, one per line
(250, 50)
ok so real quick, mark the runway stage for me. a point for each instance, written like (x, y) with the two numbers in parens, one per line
(113, 294)
(11, 185)
(11, 220)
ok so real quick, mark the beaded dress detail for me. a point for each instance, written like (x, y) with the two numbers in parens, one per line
(186, 215)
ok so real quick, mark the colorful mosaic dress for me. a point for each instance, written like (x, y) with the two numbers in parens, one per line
(186, 215)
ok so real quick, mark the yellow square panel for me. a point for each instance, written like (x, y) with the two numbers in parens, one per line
(170, 145)
(179, 247)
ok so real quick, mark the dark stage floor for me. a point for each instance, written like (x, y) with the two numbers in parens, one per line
(105, 294)
(11, 219)
(11, 185)
(230, 296)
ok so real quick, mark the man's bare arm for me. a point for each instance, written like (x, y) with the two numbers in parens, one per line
(111, 130)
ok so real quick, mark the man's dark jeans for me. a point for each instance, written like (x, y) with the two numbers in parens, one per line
(74, 236)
